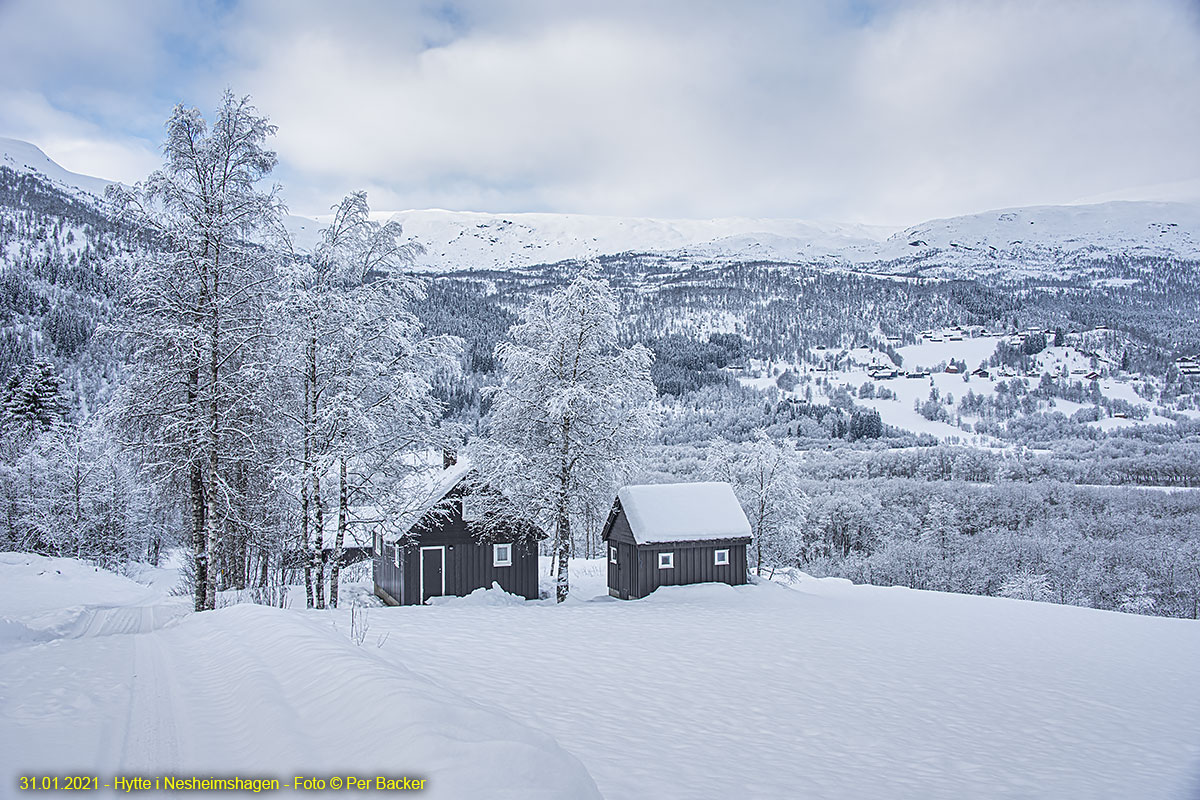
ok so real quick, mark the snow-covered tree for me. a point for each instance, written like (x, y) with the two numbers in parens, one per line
(364, 370)
(572, 415)
(1026, 585)
(765, 478)
(194, 328)
(33, 401)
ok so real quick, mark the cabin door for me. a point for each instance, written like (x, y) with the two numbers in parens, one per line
(433, 572)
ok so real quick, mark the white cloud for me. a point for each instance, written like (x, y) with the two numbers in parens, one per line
(74, 143)
(892, 112)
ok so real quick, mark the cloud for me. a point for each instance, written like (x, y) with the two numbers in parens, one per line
(888, 112)
(75, 143)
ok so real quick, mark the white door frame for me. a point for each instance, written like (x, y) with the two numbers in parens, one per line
(423, 549)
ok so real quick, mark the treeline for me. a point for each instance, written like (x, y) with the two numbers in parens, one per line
(955, 522)
(1115, 549)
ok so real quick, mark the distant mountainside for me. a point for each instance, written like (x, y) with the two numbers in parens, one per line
(25, 157)
(1017, 242)
(463, 240)
(1038, 239)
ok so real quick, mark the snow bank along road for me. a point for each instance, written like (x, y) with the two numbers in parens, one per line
(125, 688)
(825, 690)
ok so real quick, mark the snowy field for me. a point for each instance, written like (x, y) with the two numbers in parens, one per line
(819, 690)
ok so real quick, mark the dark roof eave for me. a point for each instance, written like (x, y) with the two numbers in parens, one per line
(698, 542)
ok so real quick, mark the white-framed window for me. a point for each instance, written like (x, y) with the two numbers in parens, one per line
(721, 557)
(612, 554)
(470, 509)
(502, 555)
(666, 561)
(396, 556)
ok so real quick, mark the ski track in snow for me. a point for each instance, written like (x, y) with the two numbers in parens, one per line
(247, 691)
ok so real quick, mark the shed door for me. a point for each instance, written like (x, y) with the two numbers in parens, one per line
(433, 572)
(626, 562)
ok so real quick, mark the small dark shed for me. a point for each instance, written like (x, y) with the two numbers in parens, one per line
(673, 534)
(442, 553)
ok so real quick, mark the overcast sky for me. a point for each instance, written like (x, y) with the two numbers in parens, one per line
(888, 112)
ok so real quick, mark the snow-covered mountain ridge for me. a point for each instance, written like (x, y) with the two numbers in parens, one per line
(25, 157)
(1042, 238)
(457, 240)
(1035, 240)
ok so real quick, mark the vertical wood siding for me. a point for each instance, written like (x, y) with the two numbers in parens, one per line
(694, 563)
(468, 564)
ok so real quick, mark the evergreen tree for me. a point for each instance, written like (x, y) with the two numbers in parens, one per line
(33, 400)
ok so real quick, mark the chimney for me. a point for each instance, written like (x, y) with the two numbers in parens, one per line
(449, 457)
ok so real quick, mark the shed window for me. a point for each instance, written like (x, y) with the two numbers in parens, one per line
(502, 555)
(612, 554)
(721, 557)
(666, 561)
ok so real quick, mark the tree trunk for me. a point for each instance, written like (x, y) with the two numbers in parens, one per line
(343, 514)
(306, 544)
(562, 529)
(318, 555)
(211, 535)
(563, 584)
(196, 502)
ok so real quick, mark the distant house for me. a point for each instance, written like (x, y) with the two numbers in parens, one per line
(1092, 376)
(981, 373)
(674, 534)
(953, 369)
(445, 552)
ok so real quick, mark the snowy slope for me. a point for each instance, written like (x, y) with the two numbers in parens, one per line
(1040, 238)
(246, 691)
(818, 690)
(471, 240)
(25, 157)
(830, 690)
(1025, 241)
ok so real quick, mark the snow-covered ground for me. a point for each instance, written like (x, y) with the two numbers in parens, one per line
(822, 689)
(103, 676)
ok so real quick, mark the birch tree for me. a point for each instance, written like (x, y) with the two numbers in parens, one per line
(572, 416)
(194, 324)
(364, 370)
(765, 478)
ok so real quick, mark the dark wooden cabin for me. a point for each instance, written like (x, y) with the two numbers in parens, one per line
(443, 554)
(674, 534)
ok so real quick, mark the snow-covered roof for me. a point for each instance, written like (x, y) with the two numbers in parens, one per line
(683, 512)
(427, 488)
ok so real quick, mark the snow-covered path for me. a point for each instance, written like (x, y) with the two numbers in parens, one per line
(245, 691)
(832, 691)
